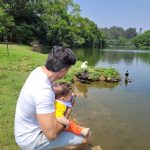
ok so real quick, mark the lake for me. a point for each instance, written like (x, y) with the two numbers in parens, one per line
(117, 113)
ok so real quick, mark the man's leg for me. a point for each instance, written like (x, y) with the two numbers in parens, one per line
(74, 147)
(82, 146)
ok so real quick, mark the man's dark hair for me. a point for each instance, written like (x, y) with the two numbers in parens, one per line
(60, 58)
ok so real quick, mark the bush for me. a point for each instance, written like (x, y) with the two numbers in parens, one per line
(94, 73)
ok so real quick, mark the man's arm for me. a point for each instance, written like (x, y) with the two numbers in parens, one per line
(49, 125)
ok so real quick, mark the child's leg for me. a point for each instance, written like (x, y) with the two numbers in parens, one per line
(76, 129)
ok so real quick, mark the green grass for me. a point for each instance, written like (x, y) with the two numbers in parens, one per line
(14, 69)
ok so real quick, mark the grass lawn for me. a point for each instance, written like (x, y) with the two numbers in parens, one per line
(14, 69)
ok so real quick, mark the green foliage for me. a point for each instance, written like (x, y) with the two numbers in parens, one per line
(6, 24)
(73, 71)
(130, 33)
(109, 72)
(118, 32)
(14, 69)
(116, 36)
(94, 73)
(142, 41)
(24, 33)
(52, 22)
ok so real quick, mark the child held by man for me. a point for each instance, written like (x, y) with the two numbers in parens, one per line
(64, 97)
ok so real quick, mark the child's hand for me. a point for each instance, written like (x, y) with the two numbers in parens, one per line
(74, 103)
(73, 99)
(73, 94)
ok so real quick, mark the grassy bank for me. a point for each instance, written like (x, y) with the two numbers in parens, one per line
(14, 69)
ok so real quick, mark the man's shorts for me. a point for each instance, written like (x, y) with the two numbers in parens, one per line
(65, 138)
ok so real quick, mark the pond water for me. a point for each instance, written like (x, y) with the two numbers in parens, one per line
(117, 113)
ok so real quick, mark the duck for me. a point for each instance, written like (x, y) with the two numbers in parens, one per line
(127, 74)
(84, 65)
(127, 79)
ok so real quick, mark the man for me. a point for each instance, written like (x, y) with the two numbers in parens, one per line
(36, 127)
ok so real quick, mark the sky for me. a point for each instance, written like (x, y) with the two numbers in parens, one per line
(120, 13)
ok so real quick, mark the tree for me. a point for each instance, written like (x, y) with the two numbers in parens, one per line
(28, 24)
(52, 22)
(114, 32)
(142, 40)
(130, 33)
(117, 36)
(6, 25)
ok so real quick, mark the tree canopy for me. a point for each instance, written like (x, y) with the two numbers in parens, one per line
(143, 40)
(117, 36)
(118, 32)
(52, 22)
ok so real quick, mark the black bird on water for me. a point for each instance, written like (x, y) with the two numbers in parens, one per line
(127, 77)
(127, 74)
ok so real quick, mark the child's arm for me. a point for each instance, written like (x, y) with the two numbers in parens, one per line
(63, 120)
(69, 109)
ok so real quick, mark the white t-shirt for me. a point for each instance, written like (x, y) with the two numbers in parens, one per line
(36, 97)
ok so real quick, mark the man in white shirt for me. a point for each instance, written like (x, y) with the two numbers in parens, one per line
(36, 127)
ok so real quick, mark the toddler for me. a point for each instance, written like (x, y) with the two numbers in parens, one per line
(64, 97)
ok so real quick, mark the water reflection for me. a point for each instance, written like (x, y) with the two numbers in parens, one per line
(126, 56)
(81, 89)
(126, 83)
(112, 56)
(85, 54)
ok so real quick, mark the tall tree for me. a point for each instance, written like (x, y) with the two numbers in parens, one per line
(6, 23)
(130, 33)
(142, 40)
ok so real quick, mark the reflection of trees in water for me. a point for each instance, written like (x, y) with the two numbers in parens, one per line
(111, 56)
(145, 57)
(82, 88)
(91, 55)
(103, 84)
(128, 57)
